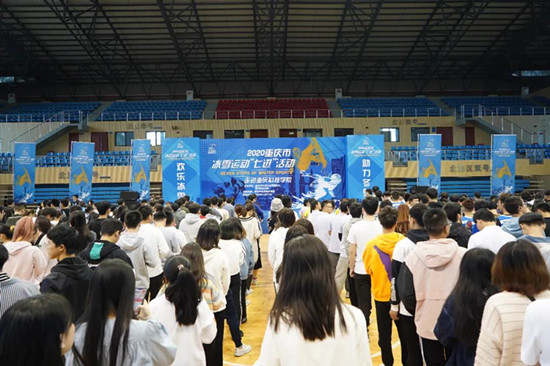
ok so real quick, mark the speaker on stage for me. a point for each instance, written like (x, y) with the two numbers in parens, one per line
(129, 197)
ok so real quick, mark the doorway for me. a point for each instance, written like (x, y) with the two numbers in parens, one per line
(73, 136)
(101, 141)
(258, 134)
(470, 136)
(446, 135)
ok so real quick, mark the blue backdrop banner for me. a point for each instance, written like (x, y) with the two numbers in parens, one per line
(299, 167)
(141, 168)
(365, 164)
(429, 160)
(180, 168)
(24, 172)
(503, 164)
(82, 169)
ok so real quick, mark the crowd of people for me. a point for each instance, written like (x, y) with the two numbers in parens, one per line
(464, 279)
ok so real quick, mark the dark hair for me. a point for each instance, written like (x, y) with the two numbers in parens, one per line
(240, 232)
(542, 206)
(77, 219)
(43, 224)
(306, 224)
(471, 292)
(111, 290)
(64, 202)
(103, 207)
(313, 204)
(432, 193)
(49, 211)
(169, 217)
(207, 202)
(227, 229)
(326, 202)
(286, 217)
(385, 203)
(193, 208)
(294, 232)
(370, 205)
(468, 205)
(387, 217)
(355, 210)
(55, 202)
(145, 211)
(68, 236)
(110, 226)
(182, 290)
(157, 208)
(512, 204)
(208, 236)
(417, 213)
(132, 219)
(205, 210)
(159, 216)
(531, 218)
(214, 201)
(30, 331)
(4, 256)
(435, 221)
(6, 230)
(484, 215)
(395, 195)
(519, 267)
(193, 252)
(479, 204)
(287, 201)
(307, 298)
(344, 208)
(453, 210)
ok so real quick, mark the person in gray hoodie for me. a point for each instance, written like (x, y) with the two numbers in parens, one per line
(132, 243)
(514, 206)
(192, 222)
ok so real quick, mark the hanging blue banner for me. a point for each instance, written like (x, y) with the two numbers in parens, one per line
(429, 161)
(24, 172)
(299, 167)
(82, 169)
(503, 164)
(180, 169)
(141, 168)
(365, 164)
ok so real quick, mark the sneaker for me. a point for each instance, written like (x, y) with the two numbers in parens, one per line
(248, 302)
(244, 320)
(255, 281)
(242, 350)
(249, 291)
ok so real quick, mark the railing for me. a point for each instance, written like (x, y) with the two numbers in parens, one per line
(150, 116)
(392, 112)
(497, 121)
(63, 116)
(472, 110)
(273, 114)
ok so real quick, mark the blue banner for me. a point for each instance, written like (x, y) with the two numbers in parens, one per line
(299, 167)
(365, 164)
(180, 169)
(24, 172)
(141, 168)
(503, 164)
(82, 169)
(429, 161)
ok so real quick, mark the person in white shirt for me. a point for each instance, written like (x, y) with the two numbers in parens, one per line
(187, 318)
(359, 235)
(155, 240)
(164, 221)
(321, 222)
(327, 332)
(336, 227)
(236, 253)
(535, 345)
(490, 235)
(276, 242)
(253, 230)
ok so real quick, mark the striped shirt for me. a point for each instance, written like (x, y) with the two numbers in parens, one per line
(12, 290)
(502, 329)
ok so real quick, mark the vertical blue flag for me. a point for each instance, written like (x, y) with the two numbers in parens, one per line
(24, 172)
(180, 168)
(429, 161)
(141, 168)
(82, 169)
(503, 164)
(365, 164)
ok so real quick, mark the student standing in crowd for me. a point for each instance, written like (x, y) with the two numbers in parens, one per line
(515, 207)
(71, 276)
(336, 226)
(520, 272)
(543, 208)
(490, 235)
(535, 345)
(430, 270)
(459, 323)
(191, 224)
(342, 268)
(303, 330)
(186, 317)
(37, 331)
(253, 230)
(275, 245)
(105, 247)
(321, 223)
(458, 232)
(77, 219)
(103, 209)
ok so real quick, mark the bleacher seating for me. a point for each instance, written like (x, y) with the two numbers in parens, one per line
(389, 107)
(101, 158)
(470, 185)
(154, 110)
(40, 112)
(100, 192)
(272, 108)
(503, 106)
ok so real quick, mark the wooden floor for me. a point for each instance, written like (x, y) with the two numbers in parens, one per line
(261, 302)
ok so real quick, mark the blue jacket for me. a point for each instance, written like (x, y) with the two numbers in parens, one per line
(248, 265)
(511, 226)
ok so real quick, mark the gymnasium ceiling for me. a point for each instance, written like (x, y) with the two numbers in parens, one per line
(90, 49)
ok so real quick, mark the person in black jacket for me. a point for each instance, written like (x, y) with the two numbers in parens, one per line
(458, 232)
(71, 276)
(106, 247)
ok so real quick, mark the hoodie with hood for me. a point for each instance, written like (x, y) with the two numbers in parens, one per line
(70, 278)
(426, 280)
(377, 259)
(512, 227)
(97, 252)
(141, 256)
(190, 226)
(25, 262)
(216, 265)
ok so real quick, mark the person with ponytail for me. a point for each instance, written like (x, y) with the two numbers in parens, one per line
(26, 261)
(187, 318)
